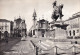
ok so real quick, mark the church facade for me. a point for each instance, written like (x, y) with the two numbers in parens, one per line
(39, 28)
(19, 27)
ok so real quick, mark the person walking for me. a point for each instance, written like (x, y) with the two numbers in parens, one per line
(6, 36)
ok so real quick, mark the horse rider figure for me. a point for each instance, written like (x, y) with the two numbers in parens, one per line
(57, 11)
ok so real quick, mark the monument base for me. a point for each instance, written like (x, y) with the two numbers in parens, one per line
(60, 33)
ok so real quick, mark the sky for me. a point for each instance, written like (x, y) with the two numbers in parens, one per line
(11, 9)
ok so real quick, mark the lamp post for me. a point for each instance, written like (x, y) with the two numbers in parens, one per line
(36, 50)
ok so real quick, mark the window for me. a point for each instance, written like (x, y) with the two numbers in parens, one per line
(73, 32)
(33, 32)
(70, 33)
(41, 25)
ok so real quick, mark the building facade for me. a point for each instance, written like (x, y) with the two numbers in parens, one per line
(4, 26)
(19, 27)
(39, 28)
(73, 30)
(42, 28)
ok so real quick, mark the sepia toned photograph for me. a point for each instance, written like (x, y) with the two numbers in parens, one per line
(39, 27)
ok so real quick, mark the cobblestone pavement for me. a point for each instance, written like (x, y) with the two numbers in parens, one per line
(24, 47)
(21, 48)
(11, 42)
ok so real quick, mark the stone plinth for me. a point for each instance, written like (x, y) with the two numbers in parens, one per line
(60, 33)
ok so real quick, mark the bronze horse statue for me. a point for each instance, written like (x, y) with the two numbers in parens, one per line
(57, 13)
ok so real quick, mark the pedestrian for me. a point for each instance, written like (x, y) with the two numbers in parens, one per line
(6, 36)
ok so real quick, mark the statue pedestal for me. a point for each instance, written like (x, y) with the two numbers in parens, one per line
(60, 31)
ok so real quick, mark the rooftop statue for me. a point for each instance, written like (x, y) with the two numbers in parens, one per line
(57, 13)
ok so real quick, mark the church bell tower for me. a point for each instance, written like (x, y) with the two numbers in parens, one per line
(34, 21)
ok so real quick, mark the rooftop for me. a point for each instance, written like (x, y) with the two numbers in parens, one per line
(4, 20)
(74, 16)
